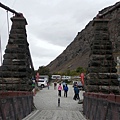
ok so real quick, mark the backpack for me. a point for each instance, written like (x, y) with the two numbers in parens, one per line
(66, 88)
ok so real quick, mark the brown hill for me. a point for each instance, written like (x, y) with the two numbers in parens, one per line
(77, 53)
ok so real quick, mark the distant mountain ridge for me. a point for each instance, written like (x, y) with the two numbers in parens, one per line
(77, 52)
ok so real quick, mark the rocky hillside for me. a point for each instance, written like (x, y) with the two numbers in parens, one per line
(77, 53)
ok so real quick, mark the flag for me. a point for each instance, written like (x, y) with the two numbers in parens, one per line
(82, 78)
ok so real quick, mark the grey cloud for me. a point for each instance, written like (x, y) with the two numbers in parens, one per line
(51, 23)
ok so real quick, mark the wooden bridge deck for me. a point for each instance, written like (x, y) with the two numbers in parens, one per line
(46, 102)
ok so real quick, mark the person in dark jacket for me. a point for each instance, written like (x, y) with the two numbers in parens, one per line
(65, 90)
(76, 91)
(63, 84)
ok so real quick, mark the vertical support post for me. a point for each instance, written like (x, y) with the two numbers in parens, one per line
(58, 102)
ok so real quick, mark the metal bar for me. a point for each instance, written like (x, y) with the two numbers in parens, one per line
(9, 9)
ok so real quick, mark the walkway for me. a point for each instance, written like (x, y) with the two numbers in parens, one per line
(46, 102)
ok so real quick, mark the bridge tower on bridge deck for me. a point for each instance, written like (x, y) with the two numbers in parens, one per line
(16, 70)
(102, 91)
(16, 96)
(101, 76)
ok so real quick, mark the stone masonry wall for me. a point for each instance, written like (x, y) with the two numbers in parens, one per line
(101, 73)
(15, 72)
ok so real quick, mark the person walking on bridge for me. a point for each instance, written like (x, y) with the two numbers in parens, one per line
(65, 90)
(76, 91)
(55, 84)
(59, 89)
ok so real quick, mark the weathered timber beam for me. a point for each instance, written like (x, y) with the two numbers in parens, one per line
(9, 9)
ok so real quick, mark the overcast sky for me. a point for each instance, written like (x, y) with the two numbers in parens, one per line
(52, 24)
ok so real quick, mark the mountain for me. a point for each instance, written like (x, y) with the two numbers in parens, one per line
(77, 52)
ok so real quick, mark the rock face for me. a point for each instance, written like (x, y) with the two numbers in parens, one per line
(101, 73)
(77, 53)
(15, 72)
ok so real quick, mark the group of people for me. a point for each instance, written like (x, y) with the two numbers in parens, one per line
(65, 88)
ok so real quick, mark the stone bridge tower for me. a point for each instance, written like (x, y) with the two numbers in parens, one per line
(16, 96)
(102, 91)
(16, 70)
(102, 76)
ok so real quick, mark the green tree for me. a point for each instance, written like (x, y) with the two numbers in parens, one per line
(80, 70)
(73, 73)
(43, 70)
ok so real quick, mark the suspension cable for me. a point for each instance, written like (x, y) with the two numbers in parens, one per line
(7, 22)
